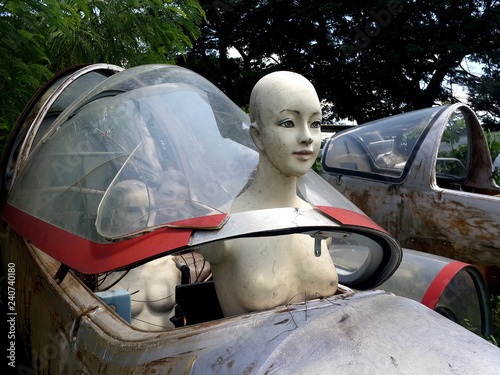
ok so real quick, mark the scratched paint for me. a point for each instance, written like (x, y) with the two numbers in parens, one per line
(457, 219)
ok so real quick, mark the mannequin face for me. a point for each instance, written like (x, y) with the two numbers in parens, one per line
(132, 212)
(136, 209)
(287, 129)
(172, 196)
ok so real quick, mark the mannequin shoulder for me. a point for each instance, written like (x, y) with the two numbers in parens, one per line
(214, 252)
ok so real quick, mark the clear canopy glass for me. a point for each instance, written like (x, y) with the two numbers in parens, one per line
(148, 147)
(380, 150)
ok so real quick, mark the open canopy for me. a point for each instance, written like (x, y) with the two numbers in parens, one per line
(137, 140)
(382, 149)
(134, 166)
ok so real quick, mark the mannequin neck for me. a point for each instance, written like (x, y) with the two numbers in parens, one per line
(271, 188)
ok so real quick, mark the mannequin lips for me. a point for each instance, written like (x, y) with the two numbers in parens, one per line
(303, 154)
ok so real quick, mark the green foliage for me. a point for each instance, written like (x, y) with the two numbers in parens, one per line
(453, 152)
(495, 337)
(484, 93)
(317, 166)
(368, 59)
(123, 32)
(493, 140)
(23, 67)
(496, 175)
(454, 129)
(41, 38)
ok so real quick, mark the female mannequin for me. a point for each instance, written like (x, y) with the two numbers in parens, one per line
(260, 273)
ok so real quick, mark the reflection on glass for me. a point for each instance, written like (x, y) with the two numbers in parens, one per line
(459, 302)
(453, 155)
(127, 209)
(460, 299)
(380, 147)
(354, 255)
(73, 92)
(161, 125)
(168, 137)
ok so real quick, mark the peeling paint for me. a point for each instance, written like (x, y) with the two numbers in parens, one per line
(450, 217)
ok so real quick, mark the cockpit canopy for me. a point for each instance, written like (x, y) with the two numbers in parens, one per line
(382, 149)
(138, 163)
(149, 146)
(158, 147)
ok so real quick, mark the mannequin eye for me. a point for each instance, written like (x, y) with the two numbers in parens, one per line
(287, 124)
(316, 124)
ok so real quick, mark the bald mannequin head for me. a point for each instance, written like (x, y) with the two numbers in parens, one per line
(286, 115)
(275, 90)
(128, 207)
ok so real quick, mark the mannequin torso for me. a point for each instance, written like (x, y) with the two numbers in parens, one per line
(260, 273)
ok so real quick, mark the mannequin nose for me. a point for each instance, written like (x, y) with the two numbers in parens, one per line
(305, 136)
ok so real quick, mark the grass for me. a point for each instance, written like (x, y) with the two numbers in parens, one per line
(495, 304)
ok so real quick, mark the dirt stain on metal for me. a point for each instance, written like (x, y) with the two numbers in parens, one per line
(282, 322)
(344, 318)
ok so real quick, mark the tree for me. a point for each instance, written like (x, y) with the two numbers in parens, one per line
(39, 38)
(485, 95)
(367, 59)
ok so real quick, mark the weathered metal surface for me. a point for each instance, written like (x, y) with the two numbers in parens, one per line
(460, 226)
(354, 333)
(69, 330)
(452, 222)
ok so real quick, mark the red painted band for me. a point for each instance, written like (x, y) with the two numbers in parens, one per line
(91, 257)
(348, 217)
(203, 222)
(440, 283)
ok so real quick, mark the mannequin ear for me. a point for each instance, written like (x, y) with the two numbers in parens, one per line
(256, 137)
